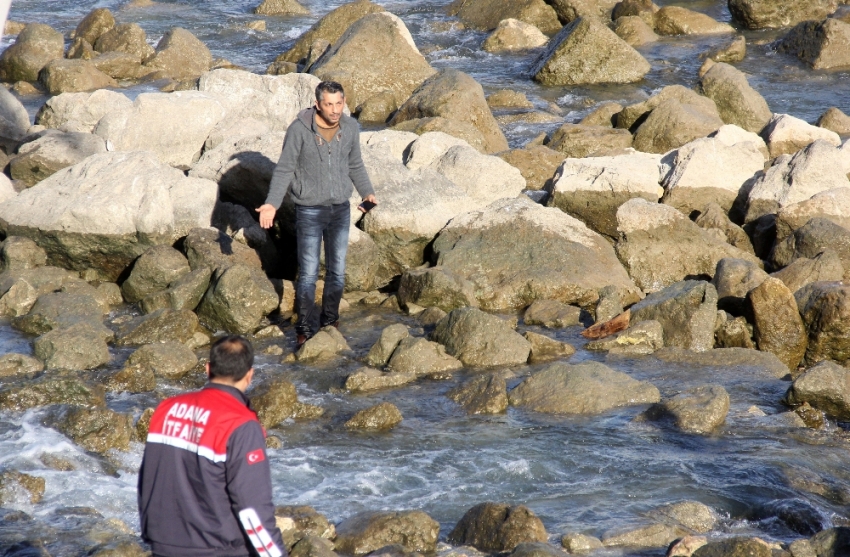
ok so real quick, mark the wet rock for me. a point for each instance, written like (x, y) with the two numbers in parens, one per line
(211, 249)
(604, 115)
(707, 171)
(569, 10)
(147, 125)
(116, 221)
(453, 95)
(512, 35)
(659, 246)
(98, 429)
(587, 52)
(18, 252)
(643, 337)
(168, 360)
(60, 309)
(675, 20)
(700, 410)
(536, 549)
(830, 540)
(645, 9)
(180, 55)
(730, 52)
(825, 266)
(736, 101)
(552, 314)
(497, 527)
(733, 279)
(487, 14)
(51, 389)
(73, 76)
(13, 482)
(565, 260)
(824, 387)
(693, 515)
(431, 316)
(761, 14)
(819, 43)
(83, 50)
(330, 28)
(672, 124)
(125, 37)
(835, 120)
(80, 111)
(632, 116)
(15, 365)
(95, 24)
(131, 379)
(812, 239)
(380, 417)
(686, 546)
(537, 164)
(786, 134)
(544, 348)
(78, 346)
(281, 7)
(764, 361)
(312, 546)
(381, 351)
(635, 31)
(163, 325)
(305, 521)
(580, 543)
(324, 345)
(777, 325)
(184, 293)
(382, 50)
(377, 108)
(153, 271)
(579, 141)
(824, 307)
(480, 339)
(238, 298)
(274, 402)
(36, 45)
(587, 388)
(51, 153)
(752, 547)
(370, 530)
(686, 310)
(654, 535)
(592, 190)
(485, 394)
(368, 379)
(508, 98)
(714, 218)
(19, 289)
(421, 357)
(436, 287)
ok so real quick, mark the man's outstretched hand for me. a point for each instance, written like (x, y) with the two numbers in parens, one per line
(371, 198)
(267, 213)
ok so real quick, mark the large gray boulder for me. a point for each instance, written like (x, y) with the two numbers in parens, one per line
(715, 219)
(561, 259)
(700, 410)
(733, 279)
(579, 141)
(537, 163)
(737, 102)
(381, 417)
(436, 287)
(184, 293)
(485, 394)
(73, 76)
(632, 116)
(80, 112)
(707, 170)
(592, 189)
(180, 55)
(786, 134)
(672, 124)
(486, 14)
(20, 288)
(587, 388)
(514, 35)
(149, 125)
(51, 153)
(14, 118)
(238, 298)
(57, 310)
(281, 7)
(587, 52)
(272, 100)
(777, 325)
(825, 386)
(687, 311)
(835, 120)
(368, 531)
(96, 23)
(79, 346)
(456, 96)
(154, 270)
(107, 210)
(675, 20)
(772, 14)
(484, 178)
(811, 240)
(18, 253)
(375, 54)
(125, 37)
(819, 43)
(634, 30)
(213, 249)
(421, 357)
(381, 351)
(659, 245)
(794, 179)
(825, 266)
(832, 205)
(168, 360)
(164, 325)
(479, 339)
(497, 527)
(825, 309)
(35, 46)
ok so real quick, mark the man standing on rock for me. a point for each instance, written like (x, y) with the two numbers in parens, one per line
(319, 164)
(205, 484)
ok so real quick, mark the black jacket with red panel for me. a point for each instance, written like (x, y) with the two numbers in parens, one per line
(205, 483)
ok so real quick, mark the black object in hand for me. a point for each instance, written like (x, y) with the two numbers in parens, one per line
(367, 206)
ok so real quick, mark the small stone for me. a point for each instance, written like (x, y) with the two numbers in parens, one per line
(380, 417)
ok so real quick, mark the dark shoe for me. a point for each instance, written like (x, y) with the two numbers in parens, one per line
(299, 341)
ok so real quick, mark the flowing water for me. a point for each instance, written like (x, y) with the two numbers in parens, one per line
(579, 474)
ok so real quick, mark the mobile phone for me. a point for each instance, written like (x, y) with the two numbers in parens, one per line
(367, 206)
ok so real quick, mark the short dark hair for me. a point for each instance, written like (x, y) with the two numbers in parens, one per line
(328, 87)
(231, 356)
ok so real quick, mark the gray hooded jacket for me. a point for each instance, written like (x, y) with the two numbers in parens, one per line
(318, 172)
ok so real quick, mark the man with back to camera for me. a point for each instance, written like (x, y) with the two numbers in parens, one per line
(205, 483)
(319, 163)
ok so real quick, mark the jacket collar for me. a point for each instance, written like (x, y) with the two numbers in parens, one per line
(308, 118)
(236, 393)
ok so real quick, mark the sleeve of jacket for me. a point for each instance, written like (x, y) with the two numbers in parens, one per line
(249, 486)
(284, 172)
(357, 170)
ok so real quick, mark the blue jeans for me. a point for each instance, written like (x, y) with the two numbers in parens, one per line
(313, 224)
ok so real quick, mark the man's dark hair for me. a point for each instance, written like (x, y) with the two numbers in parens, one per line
(328, 87)
(231, 356)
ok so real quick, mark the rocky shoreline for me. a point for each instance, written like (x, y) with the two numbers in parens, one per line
(695, 226)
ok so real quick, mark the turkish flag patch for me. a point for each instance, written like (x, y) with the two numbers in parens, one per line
(256, 456)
